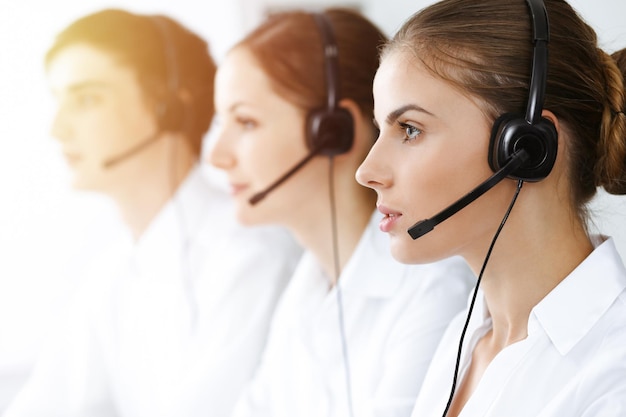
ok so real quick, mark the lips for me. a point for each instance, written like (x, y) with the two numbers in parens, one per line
(389, 220)
(71, 158)
(237, 188)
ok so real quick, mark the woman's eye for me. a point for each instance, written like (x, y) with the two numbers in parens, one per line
(86, 100)
(410, 132)
(246, 123)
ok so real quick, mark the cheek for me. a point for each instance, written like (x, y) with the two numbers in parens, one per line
(432, 185)
(433, 181)
(274, 152)
(135, 121)
(261, 161)
(451, 172)
(264, 159)
(102, 130)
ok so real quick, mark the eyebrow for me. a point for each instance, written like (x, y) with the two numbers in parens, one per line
(235, 105)
(394, 115)
(83, 85)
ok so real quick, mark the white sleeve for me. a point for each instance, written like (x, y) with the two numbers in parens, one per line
(254, 401)
(254, 268)
(69, 378)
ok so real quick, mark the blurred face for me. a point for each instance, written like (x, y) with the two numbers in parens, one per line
(260, 137)
(431, 151)
(101, 113)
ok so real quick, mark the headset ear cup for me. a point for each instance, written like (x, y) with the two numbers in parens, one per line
(330, 131)
(510, 133)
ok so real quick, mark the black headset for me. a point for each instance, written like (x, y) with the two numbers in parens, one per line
(330, 129)
(170, 110)
(533, 133)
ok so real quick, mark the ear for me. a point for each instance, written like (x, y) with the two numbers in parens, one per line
(555, 121)
(552, 117)
(352, 107)
(364, 130)
(562, 142)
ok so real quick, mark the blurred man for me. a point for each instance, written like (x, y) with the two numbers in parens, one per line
(171, 319)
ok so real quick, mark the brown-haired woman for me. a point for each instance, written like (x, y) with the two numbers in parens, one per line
(355, 329)
(547, 335)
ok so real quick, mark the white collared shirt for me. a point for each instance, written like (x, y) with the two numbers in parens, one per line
(394, 316)
(172, 325)
(573, 362)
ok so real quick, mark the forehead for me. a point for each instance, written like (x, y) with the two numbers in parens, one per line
(402, 67)
(83, 64)
(240, 68)
(403, 80)
(393, 65)
(240, 80)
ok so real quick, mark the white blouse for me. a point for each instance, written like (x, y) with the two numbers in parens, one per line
(394, 316)
(573, 362)
(172, 325)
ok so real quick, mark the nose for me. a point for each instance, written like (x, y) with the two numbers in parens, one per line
(60, 128)
(374, 172)
(220, 155)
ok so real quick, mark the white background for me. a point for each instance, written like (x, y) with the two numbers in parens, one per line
(48, 231)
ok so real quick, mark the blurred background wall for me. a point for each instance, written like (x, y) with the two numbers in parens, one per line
(47, 231)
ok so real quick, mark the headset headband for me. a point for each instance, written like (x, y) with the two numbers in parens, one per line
(541, 37)
(169, 51)
(331, 58)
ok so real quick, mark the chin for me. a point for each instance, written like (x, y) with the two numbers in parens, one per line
(244, 220)
(248, 216)
(264, 213)
(79, 185)
(401, 250)
(409, 251)
(90, 182)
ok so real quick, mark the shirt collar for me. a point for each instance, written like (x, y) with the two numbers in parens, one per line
(371, 270)
(571, 309)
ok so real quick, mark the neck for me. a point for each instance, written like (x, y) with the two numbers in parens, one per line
(151, 181)
(530, 258)
(354, 206)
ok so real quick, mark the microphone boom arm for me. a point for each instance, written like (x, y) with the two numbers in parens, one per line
(424, 226)
(261, 195)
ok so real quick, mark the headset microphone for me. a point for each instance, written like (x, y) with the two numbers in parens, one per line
(329, 130)
(171, 111)
(422, 227)
(262, 194)
(521, 147)
(112, 161)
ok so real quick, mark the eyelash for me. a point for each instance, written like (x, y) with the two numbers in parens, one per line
(405, 127)
(246, 122)
(85, 100)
